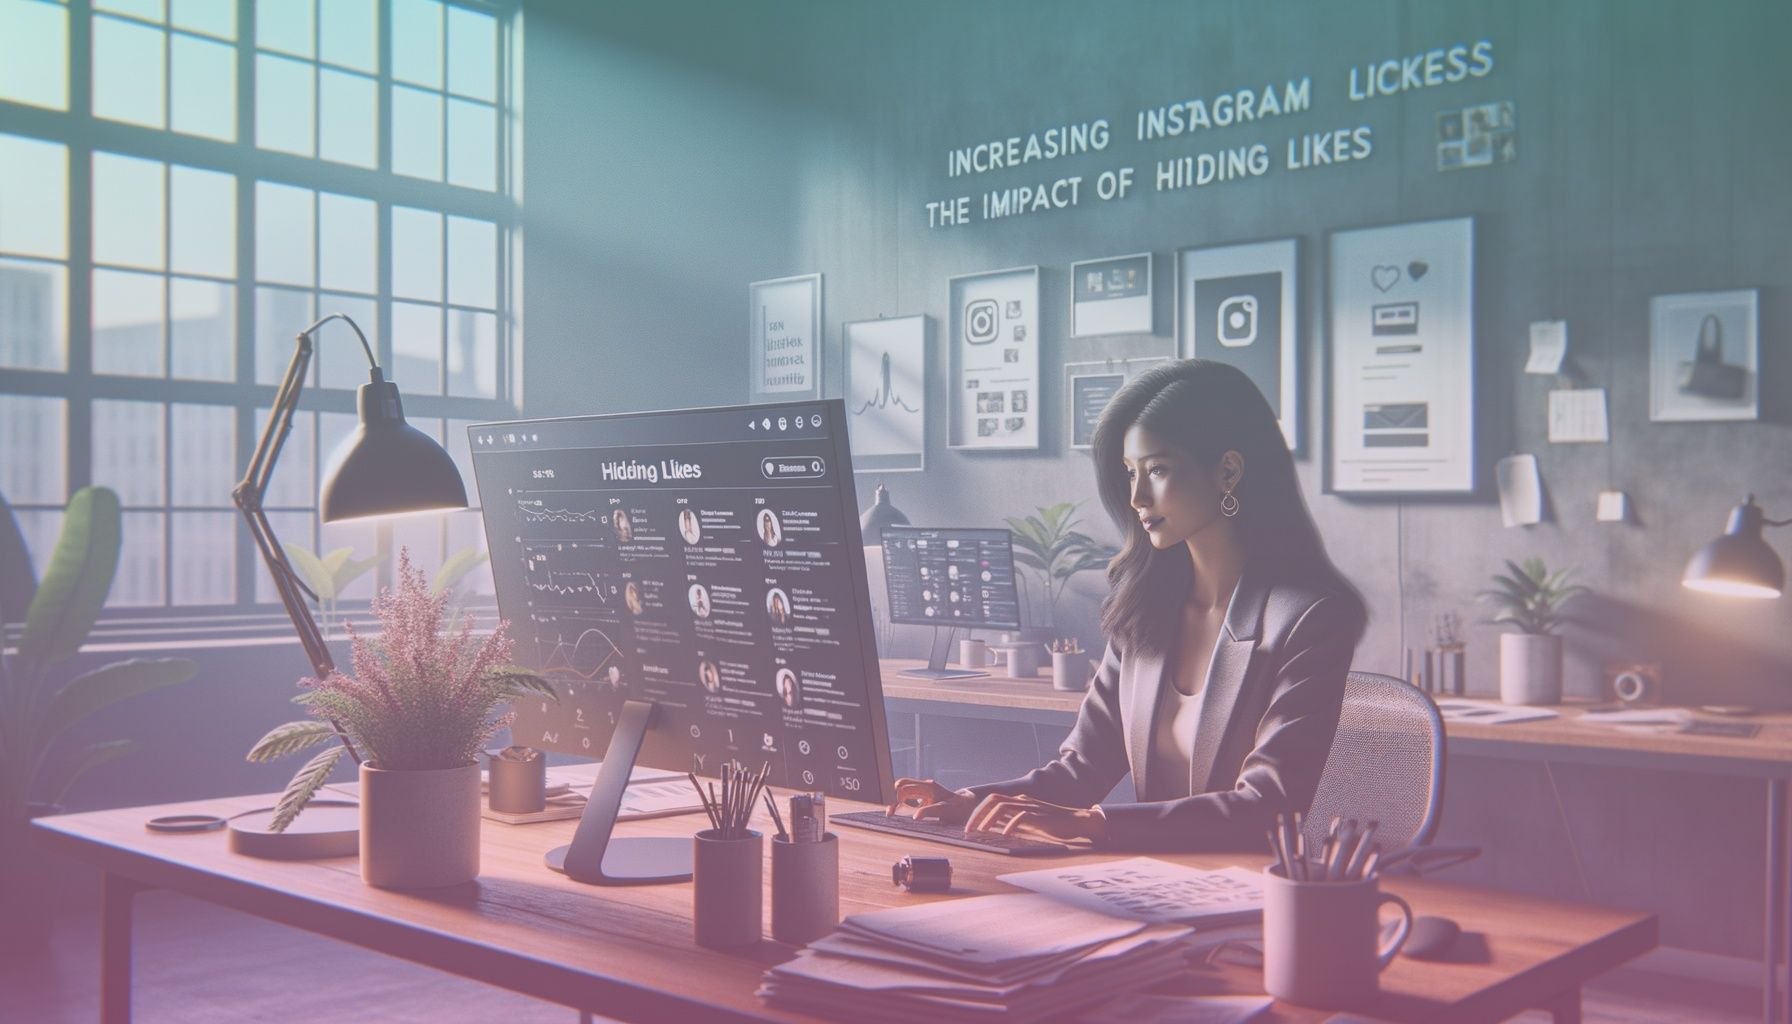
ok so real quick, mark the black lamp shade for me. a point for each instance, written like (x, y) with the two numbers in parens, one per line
(388, 467)
(879, 515)
(1740, 563)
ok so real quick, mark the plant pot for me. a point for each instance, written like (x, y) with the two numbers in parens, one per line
(1070, 671)
(419, 829)
(1530, 668)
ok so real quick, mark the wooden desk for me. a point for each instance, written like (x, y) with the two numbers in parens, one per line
(627, 952)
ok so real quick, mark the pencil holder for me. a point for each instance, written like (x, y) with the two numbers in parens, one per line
(729, 878)
(516, 785)
(805, 889)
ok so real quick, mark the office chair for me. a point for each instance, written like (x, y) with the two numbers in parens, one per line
(1386, 764)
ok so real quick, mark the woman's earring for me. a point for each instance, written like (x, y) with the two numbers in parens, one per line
(1229, 505)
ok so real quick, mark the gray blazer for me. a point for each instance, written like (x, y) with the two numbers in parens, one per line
(1273, 693)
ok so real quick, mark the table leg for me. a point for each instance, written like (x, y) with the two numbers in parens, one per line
(1564, 1006)
(920, 759)
(1774, 936)
(116, 894)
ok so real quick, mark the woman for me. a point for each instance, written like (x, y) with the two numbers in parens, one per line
(1229, 636)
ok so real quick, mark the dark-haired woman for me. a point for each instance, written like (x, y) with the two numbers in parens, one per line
(1229, 636)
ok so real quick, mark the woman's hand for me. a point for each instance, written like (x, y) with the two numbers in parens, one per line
(1032, 818)
(932, 800)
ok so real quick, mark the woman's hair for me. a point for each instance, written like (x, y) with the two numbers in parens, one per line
(1206, 409)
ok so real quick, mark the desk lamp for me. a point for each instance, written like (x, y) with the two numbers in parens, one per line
(385, 468)
(879, 515)
(1739, 563)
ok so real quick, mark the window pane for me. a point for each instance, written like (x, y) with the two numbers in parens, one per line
(33, 198)
(293, 484)
(472, 54)
(472, 145)
(420, 537)
(417, 42)
(41, 527)
(213, 17)
(349, 34)
(150, 10)
(472, 354)
(341, 362)
(202, 330)
(362, 538)
(128, 452)
(289, 528)
(417, 133)
(204, 92)
(204, 467)
(285, 118)
(348, 238)
(416, 254)
(204, 557)
(128, 313)
(33, 297)
(472, 263)
(34, 53)
(280, 314)
(129, 218)
(348, 119)
(138, 581)
(128, 72)
(284, 25)
(417, 348)
(203, 222)
(36, 437)
(285, 235)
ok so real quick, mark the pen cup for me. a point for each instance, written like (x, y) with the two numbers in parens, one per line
(516, 786)
(729, 877)
(1319, 940)
(805, 889)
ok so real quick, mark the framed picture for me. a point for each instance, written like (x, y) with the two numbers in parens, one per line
(886, 394)
(1111, 296)
(1089, 387)
(784, 326)
(1704, 362)
(995, 360)
(1402, 356)
(1236, 304)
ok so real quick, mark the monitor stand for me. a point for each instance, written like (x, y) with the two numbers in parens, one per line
(936, 664)
(594, 856)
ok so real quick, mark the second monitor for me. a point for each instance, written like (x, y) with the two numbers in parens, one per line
(950, 578)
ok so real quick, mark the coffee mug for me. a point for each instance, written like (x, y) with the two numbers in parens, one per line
(1319, 940)
(973, 653)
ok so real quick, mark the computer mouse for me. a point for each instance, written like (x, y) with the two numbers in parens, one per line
(1431, 937)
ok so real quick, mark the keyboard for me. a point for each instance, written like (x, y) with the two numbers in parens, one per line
(952, 835)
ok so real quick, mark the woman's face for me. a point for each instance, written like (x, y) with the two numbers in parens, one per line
(1176, 497)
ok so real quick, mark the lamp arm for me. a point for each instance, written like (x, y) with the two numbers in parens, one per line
(1776, 522)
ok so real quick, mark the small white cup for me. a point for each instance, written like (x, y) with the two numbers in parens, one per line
(1319, 940)
(973, 653)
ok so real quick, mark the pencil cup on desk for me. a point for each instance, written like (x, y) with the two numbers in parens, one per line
(1319, 940)
(805, 889)
(728, 876)
(517, 780)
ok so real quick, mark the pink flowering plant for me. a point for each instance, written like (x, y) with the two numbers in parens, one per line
(421, 697)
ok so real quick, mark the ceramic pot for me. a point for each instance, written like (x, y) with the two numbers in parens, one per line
(419, 829)
(1070, 671)
(1530, 668)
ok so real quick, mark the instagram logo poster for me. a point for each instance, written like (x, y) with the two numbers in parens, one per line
(995, 360)
(1235, 304)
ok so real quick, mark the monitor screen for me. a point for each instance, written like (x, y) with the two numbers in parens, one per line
(706, 560)
(959, 578)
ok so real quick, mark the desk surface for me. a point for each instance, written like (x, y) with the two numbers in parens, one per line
(627, 952)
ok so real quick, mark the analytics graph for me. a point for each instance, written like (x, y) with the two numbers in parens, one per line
(572, 645)
(569, 570)
(537, 510)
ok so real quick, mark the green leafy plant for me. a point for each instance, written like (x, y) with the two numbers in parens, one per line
(449, 576)
(1050, 544)
(1530, 597)
(328, 576)
(53, 618)
(421, 697)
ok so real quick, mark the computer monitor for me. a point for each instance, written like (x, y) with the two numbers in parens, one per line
(693, 583)
(950, 578)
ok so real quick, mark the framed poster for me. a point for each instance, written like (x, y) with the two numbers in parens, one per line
(1089, 387)
(1704, 362)
(886, 408)
(1111, 296)
(1235, 304)
(995, 360)
(1402, 327)
(784, 325)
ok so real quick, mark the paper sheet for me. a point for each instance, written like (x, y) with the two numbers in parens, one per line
(1489, 712)
(1612, 507)
(1147, 889)
(1521, 490)
(1578, 415)
(1549, 346)
(1151, 1009)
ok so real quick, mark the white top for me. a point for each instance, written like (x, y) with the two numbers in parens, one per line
(1172, 746)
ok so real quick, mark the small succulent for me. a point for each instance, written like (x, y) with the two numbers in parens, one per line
(1530, 596)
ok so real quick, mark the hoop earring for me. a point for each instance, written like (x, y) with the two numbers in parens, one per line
(1229, 505)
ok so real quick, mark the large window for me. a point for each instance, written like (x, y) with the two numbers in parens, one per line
(184, 185)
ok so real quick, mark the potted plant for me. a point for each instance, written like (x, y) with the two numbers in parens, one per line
(1050, 545)
(38, 704)
(420, 707)
(1530, 597)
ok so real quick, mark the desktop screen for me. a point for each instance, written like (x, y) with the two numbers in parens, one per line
(706, 560)
(957, 578)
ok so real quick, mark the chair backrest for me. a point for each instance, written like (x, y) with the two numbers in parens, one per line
(1386, 763)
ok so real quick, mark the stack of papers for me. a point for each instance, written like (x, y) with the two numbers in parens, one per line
(1153, 891)
(1487, 712)
(1022, 957)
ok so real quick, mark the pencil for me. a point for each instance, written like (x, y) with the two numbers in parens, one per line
(772, 806)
